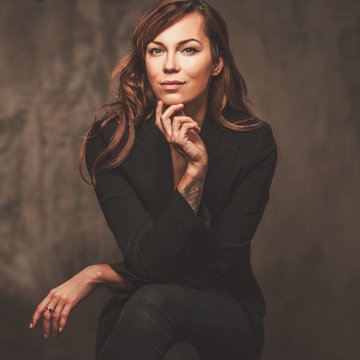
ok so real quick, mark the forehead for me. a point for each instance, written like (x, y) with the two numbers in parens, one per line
(189, 26)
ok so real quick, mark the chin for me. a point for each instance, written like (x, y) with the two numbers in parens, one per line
(172, 99)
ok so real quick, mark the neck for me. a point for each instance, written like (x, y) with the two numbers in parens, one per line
(196, 110)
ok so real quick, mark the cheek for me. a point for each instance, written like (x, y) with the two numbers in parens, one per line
(150, 70)
(150, 75)
(199, 78)
(199, 71)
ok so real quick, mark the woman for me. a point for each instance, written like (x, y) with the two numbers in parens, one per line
(182, 169)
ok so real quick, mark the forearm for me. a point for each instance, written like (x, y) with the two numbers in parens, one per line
(104, 274)
(191, 186)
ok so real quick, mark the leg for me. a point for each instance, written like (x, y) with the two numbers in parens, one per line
(107, 319)
(158, 315)
(145, 328)
(215, 323)
(181, 350)
(219, 326)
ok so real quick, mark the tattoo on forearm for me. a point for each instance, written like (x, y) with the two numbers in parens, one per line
(192, 192)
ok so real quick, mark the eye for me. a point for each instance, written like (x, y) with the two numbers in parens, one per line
(193, 50)
(151, 51)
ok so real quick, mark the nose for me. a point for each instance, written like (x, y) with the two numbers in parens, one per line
(170, 64)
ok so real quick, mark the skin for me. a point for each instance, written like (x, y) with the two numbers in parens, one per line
(67, 295)
(179, 116)
(180, 112)
(190, 62)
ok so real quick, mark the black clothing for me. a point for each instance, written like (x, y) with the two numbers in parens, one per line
(163, 241)
(177, 322)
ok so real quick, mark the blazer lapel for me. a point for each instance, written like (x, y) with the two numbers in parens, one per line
(222, 146)
(151, 166)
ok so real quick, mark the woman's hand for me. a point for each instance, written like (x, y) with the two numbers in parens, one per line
(182, 133)
(56, 306)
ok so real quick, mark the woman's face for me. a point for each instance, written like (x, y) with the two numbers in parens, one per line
(171, 56)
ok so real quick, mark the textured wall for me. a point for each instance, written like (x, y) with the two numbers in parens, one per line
(298, 58)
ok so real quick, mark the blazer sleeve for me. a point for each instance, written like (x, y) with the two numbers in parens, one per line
(214, 254)
(152, 250)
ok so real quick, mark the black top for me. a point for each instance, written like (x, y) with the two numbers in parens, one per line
(161, 238)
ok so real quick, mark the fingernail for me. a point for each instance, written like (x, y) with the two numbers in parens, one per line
(45, 336)
(31, 326)
(60, 329)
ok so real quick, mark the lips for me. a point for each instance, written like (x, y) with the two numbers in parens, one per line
(172, 82)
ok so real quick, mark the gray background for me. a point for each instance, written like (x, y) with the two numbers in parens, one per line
(298, 58)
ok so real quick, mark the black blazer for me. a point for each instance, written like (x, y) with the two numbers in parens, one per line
(161, 238)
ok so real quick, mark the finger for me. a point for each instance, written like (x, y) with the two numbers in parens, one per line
(56, 318)
(64, 316)
(177, 123)
(158, 113)
(166, 118)
(47, 315)
(185, 128)
(40, 309)
(172, 109)
(187, 147)
(179, 120)
(180, 140)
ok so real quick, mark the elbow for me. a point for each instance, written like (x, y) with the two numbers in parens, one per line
(153, 259)
(154, 269)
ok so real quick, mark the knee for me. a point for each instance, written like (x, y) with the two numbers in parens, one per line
(182, 350)
(146, 308)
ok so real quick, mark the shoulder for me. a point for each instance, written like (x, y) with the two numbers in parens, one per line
(258, 144)
(265, 137)
(101, 134)
(257, 137)
(106, 120)
(265, 149)
(98, 140)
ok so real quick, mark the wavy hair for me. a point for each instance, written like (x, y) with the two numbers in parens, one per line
(135, 101)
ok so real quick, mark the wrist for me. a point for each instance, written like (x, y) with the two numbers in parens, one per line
(104, 274)
(196, 170)
(95, 274)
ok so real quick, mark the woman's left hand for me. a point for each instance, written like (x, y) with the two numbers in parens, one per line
(56, 306)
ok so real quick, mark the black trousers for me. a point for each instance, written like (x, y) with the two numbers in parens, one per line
(176, 322)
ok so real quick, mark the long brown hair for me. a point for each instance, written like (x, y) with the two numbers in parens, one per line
(135, 100)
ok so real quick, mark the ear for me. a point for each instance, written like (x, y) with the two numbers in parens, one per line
(218, 66)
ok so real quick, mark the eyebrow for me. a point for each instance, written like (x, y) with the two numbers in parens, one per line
(179, 43)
